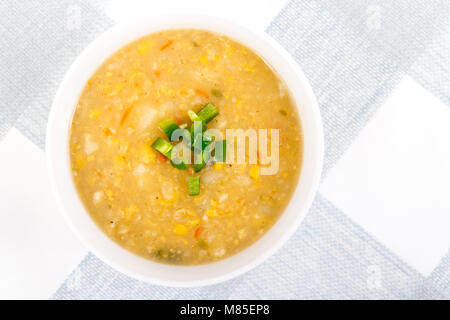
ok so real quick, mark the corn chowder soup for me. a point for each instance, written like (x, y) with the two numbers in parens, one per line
(120, 147)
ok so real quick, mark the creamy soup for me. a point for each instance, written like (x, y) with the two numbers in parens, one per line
(146, 204)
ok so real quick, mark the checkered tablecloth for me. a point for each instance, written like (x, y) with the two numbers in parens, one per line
(379, 227)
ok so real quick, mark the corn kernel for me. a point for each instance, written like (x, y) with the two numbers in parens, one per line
(211, 213)
(119, 163)
(195, 222)
(197, 200)
(80, 162)
(104, 88)
(218, 166)
(143, 47)
(165, 202)
(108, 132)
(110, 194)
(190, 213)
(117, 89)
(130, 211)
(254, 172)
(180, 229)
(123, 147)
(94, 113)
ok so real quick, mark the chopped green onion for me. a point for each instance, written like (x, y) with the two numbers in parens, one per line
(199, 166)
(179, 166)
(208, 113)
(168, 127)
(205, 155)
(193, 116)
(196, 136)
(163, 147)
(183, 133)
(220, 151)
(177, 159)
(208, 137)
(194, 185)
(206, 141)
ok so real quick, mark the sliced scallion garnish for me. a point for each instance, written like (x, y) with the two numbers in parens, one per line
(208, 113)
(205, 155)
(162, 146)
(179, 166)
(194, 185)
(168, 127)
(199, 166)
(193, 116)
(195, 138)
(176, 159)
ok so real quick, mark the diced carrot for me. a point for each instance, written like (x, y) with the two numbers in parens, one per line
(166, 45)
(157, 73)
(108, 132)
(125, 115)
(201, 92)
(98, 173)
(197, 232)
(178, 118)
(162, 158)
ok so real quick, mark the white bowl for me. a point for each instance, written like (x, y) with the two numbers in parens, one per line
(57, 151)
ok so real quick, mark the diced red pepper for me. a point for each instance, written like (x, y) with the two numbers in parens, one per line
(202, 93)
(197, 232)
(167, 44)
(162, 158)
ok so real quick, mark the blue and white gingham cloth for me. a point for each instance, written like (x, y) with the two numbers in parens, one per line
(354, 53)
